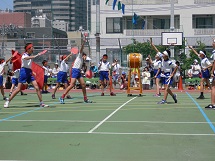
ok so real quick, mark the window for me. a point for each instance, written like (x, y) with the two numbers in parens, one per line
(203, 21)
(114, 25)
(161, 23)
(30, 34)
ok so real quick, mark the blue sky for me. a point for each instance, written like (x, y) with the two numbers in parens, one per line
(6, 4)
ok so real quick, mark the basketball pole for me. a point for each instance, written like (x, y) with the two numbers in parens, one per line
(172, 26)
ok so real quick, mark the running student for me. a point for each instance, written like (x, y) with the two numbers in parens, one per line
(15, 80)
(212, 105)
(2, 65)
(26, 75)
(167, 67)
(205, 66)
(76, 75)
(62, 75)
(104, 69)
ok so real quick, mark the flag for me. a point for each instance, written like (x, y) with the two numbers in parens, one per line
(16, 60)
(134, 18)
(114, 4)
(38, 73)
(106, 2)
(119, 5)
(123, 8)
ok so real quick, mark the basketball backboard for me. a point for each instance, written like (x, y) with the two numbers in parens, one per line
(172, 38)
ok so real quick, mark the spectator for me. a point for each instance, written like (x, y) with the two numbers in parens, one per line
(123, 81)
(94, 69)
(196, 69)
(55, 70)
(146, 78)
(177, 74)
(116, 71)
(190, 72)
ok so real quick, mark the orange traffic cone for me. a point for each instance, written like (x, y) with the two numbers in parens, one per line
(180, 84)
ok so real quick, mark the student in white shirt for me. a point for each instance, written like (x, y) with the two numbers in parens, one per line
(104, 69)
(76, 75)
(26, 75)
(212, 105)
(205, 65)
(55, 70)
(62, 75)
(146, 78)
(116, 71)
(196, 69)
(2, 66)
(46, 76)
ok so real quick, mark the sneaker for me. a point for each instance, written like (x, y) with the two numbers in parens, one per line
(156, 95)
(23, 93)
(43, 105)
(88, 101)
(5, 98)
(112, 94)
(102, 94)
(43, 92)
(175, 98)
(61, 100)
(201, 97)
(162, 102)
(68, 97)
(53, 96)
(210, 106)
(6, 104)
(10, 94)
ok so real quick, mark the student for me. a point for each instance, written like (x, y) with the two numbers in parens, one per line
(76, 75)
(2, 66)
(196, 69)
(55, 70)
(116, 71)
(104, 69)
(46, 76)
(62, 75)
(167, 66)
(177, 74)
(205, 65)
(212, 105)
(146, 78)
(157, 71)
(26, 75)
(124, 81)
(15, 80)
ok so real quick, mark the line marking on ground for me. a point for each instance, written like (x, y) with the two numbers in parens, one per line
(88, 121)
(107, 133)
(202, 112)
(99, 124)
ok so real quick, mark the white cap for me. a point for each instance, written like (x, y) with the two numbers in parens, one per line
(195, 60)
(201, 52)
(165, 53)
(147, 58)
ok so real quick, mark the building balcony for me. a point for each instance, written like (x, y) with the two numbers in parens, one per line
(210, 31)
(146, 32)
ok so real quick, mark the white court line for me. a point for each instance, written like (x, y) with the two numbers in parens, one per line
(86, 121)
(99, 124)
(107, 133)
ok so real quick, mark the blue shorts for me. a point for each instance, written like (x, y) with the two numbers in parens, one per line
(26, 75)
(1, 80)
(155, 72)
(62, 77)
(15, 81)
(76, 73)
(104, 75)
(46, 78)
(206, 74)
(169, 82)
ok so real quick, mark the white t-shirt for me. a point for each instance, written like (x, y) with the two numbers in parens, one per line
(104, 66)
(64, 66)
(2, 68)
(116, 68)
(46, 70)
(157, 64)
(167, 66)
(78, 62)
(55, 71)
(213, 52)
(146, 77)
(196, 69)
(205, 63)
(26, 63)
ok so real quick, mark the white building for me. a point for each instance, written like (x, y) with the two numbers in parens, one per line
(40, 20)
(61, 25)
(195, 18)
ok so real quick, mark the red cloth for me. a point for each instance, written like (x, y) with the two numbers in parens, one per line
(16, 60)
(38, 73)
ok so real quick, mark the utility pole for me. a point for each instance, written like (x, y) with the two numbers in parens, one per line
(172, 25)
(97, 35)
